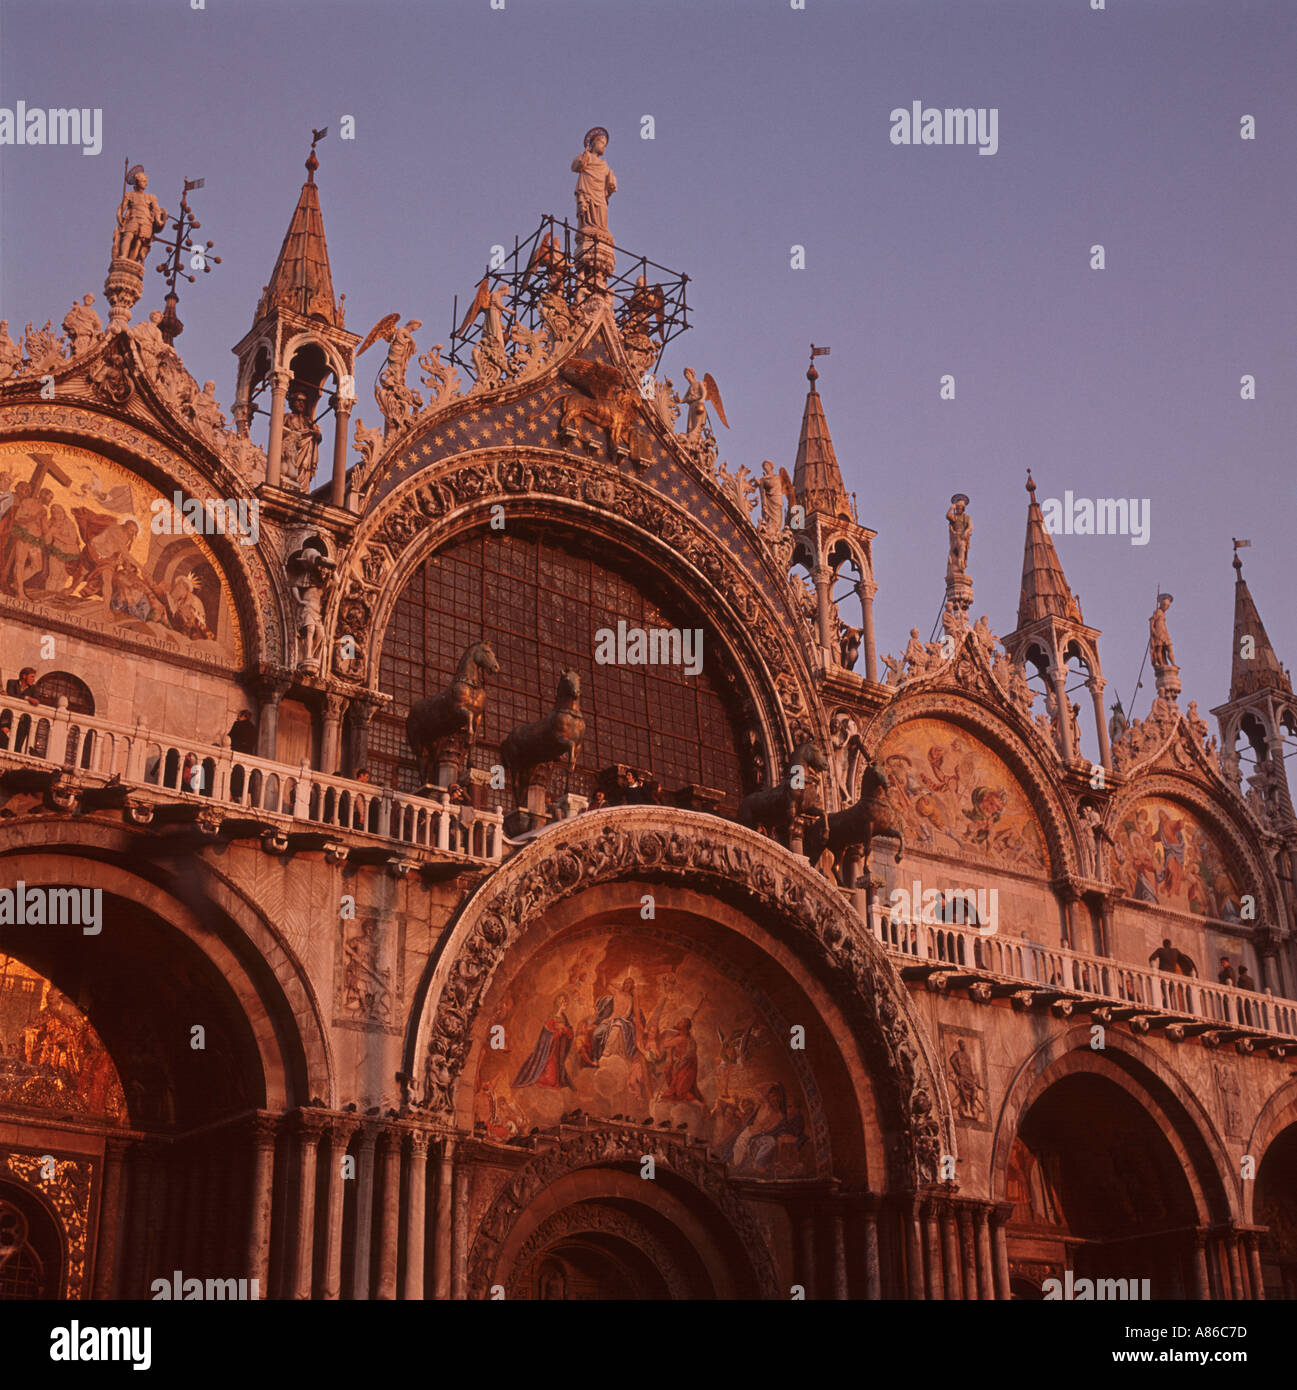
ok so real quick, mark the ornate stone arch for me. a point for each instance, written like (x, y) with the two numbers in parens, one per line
(1070, 1052)
(1037, 777)
(265, 976)
(609, 1147)
(710, 855)
(1275, 1116)
(163, 464)
(1224, 817)
(583, 1218)
(547, 486)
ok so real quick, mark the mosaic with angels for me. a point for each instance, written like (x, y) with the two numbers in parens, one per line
(626, 1024)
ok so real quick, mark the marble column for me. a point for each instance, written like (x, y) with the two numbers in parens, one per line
(873, 1273)
(837, 1218)
(932, 1251)
(1252, 1242)
(1064, 714)
(364, 1227)
(272, 693)
(306, 1137)
(1235, 1268)
(867, 589)
(985, 1274)
(389, 1205)
(416, 1216)
(823, 604)
(110, 1213)
(275, 446)
(261, 1190)
(359, 715)
(441, 1231)
(340, 1133)
(913, 1249)
(1000, 1217)
(1095, 685)
(950, 1252)
(341, 415)
(331, 734)
(1201, 1282)
(967, 1250)
(459, 1235)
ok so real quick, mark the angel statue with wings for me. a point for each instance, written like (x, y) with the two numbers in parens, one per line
(396, 400)
(696, 397)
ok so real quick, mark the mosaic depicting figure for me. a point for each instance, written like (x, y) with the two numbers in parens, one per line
(955, 796)
(631, 1025)
(83, 538)
(1164, 856)
(50, 1056)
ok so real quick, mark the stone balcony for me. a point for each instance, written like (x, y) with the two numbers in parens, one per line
(1068, 982)
(85, 762)
(161, 780)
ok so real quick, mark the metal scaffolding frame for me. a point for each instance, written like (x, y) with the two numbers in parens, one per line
(527, 289)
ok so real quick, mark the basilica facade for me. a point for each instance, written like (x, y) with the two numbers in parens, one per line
(482, 853)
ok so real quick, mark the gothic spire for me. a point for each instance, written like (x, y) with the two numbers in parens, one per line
(301, 280)
(817, 480)
(1261, 669)
(1045, 592)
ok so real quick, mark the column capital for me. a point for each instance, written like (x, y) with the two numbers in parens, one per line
(420, 1139)
(265, 1129)
(1096, 685)
(309, 1124)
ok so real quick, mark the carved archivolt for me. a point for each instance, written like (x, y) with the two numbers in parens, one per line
(586, 1218)
(706, 854)
(606, 1148)
(431, 509)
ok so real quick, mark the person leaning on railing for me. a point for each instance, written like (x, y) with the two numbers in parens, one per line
(18, 689)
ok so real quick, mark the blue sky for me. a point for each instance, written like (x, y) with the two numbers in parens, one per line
(1118, 127)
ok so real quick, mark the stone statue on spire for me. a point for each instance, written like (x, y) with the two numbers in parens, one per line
(139, 219)
(1161, 653)
(595, 184)
(1160, 650)
(961, 532)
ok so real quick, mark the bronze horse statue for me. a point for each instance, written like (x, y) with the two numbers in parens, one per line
(772, 809)
(458, 709)
(547, 740)
(848, 834)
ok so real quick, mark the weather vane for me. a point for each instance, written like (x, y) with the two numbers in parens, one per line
(200, 258)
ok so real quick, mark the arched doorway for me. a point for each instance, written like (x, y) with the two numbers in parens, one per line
(1275, 1206)
(1098, 1189)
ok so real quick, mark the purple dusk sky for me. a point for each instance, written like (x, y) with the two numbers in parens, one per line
(1118, 127)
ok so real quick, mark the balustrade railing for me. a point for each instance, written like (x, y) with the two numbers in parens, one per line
(1015, 958)
(140, 757)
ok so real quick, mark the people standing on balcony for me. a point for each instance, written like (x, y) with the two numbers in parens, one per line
(243, 733)
(1226, 972)
(1245, 981)
(1166, 956)
(19, 689)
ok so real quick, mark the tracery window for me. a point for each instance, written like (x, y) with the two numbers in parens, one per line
(540, 600)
